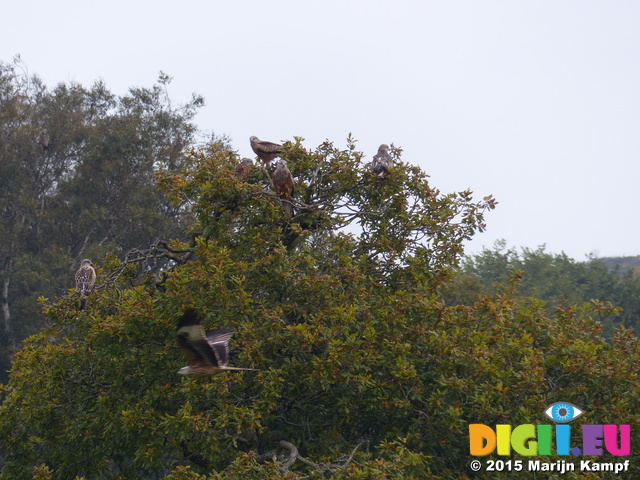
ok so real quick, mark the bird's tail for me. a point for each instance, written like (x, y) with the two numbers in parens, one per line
(287, 205)
(83, 303)
(238, 369)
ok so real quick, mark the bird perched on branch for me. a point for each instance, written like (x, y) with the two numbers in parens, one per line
(382, 161)
(283, 183)
(85, 281)
(206, 354)
(44, 141)
(266, 151)
(243, 168)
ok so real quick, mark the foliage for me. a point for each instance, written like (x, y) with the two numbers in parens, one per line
(327, 316)
(91, 191)
(363, 369)
(555, 278)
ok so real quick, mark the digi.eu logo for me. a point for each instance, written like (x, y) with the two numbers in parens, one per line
(529, 439)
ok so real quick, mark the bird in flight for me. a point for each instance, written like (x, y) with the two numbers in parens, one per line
(266, 151)
(283, 183)
(206, 354)
(382, 161)
(85, 281)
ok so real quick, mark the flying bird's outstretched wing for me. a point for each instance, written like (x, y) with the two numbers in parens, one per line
(205, 355)
(283, 183)
(382, 161)
(266, 151)
(219, 342)
(85, 281)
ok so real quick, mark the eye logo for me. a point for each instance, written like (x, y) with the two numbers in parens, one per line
(563, 412)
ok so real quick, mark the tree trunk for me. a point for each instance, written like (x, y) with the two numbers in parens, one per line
(9, 339)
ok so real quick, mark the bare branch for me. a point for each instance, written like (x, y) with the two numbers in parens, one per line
(160, 249)
(294, 456)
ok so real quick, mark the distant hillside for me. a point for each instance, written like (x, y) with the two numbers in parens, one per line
(624, 263)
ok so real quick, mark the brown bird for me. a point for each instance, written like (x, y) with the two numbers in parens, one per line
(85, 281)
(266, 151)
(243, 168)
(206, 354)
(44, 141)
(283, 183)
(382, 161)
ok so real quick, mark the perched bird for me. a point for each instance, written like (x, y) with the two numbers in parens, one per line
(283, 183)
(206, 354)
(243, 168)
(382, 161)
(266, 151)
(44, 141)
(85, 281)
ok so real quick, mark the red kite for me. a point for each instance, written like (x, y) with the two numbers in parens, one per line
(85, 281)
(283, 183)
(243, 168)
(206, 354)
(382, 161)
(266, 151)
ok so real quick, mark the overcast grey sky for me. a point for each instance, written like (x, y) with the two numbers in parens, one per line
(534, 102)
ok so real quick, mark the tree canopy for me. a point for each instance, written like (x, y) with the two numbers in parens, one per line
(556, 279)
(364, 368)
(91, 191)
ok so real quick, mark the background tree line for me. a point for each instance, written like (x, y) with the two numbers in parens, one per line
(376, 343)
(554, 278)
(92, 190)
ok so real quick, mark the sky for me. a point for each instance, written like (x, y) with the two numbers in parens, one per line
(534, 102)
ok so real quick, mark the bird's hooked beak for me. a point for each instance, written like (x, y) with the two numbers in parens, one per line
(183, 371)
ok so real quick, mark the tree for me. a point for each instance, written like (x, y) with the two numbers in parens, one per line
(92, 190)
(326, 316)
(363, 370)
(554, 278)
